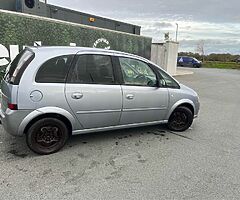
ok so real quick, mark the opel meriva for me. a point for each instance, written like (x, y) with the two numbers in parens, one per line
(51, 93)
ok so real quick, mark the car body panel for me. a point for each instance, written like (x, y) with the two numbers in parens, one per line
(183, 96)
(12, 120)
(99, 108)
(110, 128)
(100, 105)
(147, 104)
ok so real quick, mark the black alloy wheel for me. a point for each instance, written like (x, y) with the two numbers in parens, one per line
(181, 119)
(47, 136)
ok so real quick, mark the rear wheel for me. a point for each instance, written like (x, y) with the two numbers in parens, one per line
(181, 119)
(47, 136)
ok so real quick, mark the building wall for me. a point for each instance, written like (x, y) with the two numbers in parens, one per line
(47, 10)
(158, 52)
(171, 60)
(165, 55)
(22, 29)
(8, 5)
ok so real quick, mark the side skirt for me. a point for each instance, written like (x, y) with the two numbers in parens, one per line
(110, 128)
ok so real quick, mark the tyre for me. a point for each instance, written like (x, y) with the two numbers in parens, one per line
(47, 136)
(181, 119)
(196, 66)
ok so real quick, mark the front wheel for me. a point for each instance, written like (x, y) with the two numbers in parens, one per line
(181, 119)
(47, 136)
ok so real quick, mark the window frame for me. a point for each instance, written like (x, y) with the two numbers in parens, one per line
(121, 74)
(157, 69)
(114, 70)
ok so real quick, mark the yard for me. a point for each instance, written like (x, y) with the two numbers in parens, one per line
(142, 163)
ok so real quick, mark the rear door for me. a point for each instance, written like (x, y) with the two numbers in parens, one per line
(143, 101)
(92, 91)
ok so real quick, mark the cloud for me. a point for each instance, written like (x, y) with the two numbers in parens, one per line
(163, 24)
(218, 11)
(211, 45)
(215, 21)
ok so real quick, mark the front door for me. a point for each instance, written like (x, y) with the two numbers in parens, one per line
(142, 100)
(92, 93)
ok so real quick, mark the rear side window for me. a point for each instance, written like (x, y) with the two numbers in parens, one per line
(54, 70)
(16, 68)
(92, 69)
(189, 59)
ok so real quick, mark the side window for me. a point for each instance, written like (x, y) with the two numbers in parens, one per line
(54, 70)
(92, 69)
(136, 72)
(167, 81)
(189, 60)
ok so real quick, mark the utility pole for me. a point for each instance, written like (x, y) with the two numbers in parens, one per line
(177, 32)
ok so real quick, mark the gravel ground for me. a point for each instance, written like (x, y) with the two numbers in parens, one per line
(142, 163)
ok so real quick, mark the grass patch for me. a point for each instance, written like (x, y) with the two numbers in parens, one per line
(221, 65)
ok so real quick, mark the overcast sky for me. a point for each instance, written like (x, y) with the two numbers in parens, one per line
(217, 22)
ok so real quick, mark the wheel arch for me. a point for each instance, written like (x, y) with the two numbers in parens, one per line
(184, 102)
(41, 113)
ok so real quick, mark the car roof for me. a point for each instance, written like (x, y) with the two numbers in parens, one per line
(185, 57)
(74, 50)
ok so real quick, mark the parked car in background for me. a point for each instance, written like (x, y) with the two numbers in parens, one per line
(51, 93)
(238, 60)
(185, 61)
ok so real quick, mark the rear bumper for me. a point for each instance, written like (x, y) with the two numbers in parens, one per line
(11, 120)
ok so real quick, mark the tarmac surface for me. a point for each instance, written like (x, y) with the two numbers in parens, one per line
(142, 163)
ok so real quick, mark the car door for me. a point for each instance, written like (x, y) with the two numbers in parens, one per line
(142, 100)
(189, 62)
(92, 92)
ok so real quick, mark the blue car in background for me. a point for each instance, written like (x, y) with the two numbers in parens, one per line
(185, 61)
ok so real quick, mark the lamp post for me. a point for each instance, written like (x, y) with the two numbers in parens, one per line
(176, 32)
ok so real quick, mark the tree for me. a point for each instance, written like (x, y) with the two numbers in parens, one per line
(201, 48)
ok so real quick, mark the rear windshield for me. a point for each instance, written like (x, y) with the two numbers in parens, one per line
(16, 68)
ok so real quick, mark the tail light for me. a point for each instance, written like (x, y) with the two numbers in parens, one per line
(12, 106)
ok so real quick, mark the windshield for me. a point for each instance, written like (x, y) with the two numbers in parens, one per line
(196, 60)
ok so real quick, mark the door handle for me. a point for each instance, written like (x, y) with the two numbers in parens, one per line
(77, 95)
(130, 96)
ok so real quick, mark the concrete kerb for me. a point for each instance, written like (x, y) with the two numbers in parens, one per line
(182, 72)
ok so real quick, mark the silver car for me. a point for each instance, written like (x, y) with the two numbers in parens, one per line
(51, 93)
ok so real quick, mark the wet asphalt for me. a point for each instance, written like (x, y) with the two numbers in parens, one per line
(142, 163)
